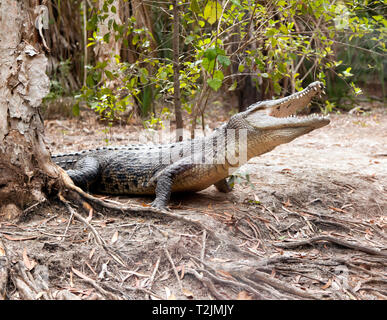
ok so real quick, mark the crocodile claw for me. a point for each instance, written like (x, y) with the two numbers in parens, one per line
(159, 205)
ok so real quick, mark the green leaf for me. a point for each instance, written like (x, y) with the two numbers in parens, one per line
(220, 51)
(241, 67)
(281, 3)
(284, 29)
(208, 64)
(212, 11)
(76, 109)
(224, 60)
(215, 84)
(237, 3)
(109, 74)
(347, 72)
(144, 75)
(135, 39)
(210, 53)
(195, 6)
(106, 37)
(101, 65)
(90, 80)
(218, 74)
(233, 86)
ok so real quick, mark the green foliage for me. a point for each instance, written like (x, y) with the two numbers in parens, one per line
(283, 45)
(156, 123)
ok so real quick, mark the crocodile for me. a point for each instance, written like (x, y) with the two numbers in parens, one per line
(193, 165)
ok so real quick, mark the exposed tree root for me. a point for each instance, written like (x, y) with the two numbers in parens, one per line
(81, 196)
(244, 282)
(208, 283)
(4, 267)
(256, 282)
(340, 242)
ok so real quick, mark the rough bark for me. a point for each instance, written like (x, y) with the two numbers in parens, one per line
(176, 72)
(26, 170)
(106, 51)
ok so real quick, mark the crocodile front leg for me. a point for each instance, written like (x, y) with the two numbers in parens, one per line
(165, 181)
(223, 186)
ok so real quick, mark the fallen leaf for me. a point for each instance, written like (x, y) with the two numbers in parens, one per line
(286, 170)
(244, 295)
(81, 275)
(337, 209)
(18, 239)
(91, 253)
(90, 216)
(71, 280)
(182, 272)
(164, 233)
(29, 263)
(92, 270)
(172, 297)
(39, 294)
(287, 203)
(327, 285)
(357, 287)
(169, 294)
(219, 260)
(114, 238)
(187, 293)
(225, 274)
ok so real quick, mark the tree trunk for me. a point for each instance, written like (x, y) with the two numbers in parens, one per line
(107, 51)
(176, 72)
(26, 171)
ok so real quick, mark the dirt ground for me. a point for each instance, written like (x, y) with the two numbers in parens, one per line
(311, 224)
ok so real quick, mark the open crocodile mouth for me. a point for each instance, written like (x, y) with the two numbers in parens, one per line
(265, 122)
(313, 89)
(314, 120)
(290, 105)
(296, 102)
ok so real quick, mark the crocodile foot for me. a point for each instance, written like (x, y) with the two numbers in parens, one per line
(160, 205)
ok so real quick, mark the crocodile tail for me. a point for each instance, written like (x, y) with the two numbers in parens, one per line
(66, 161)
